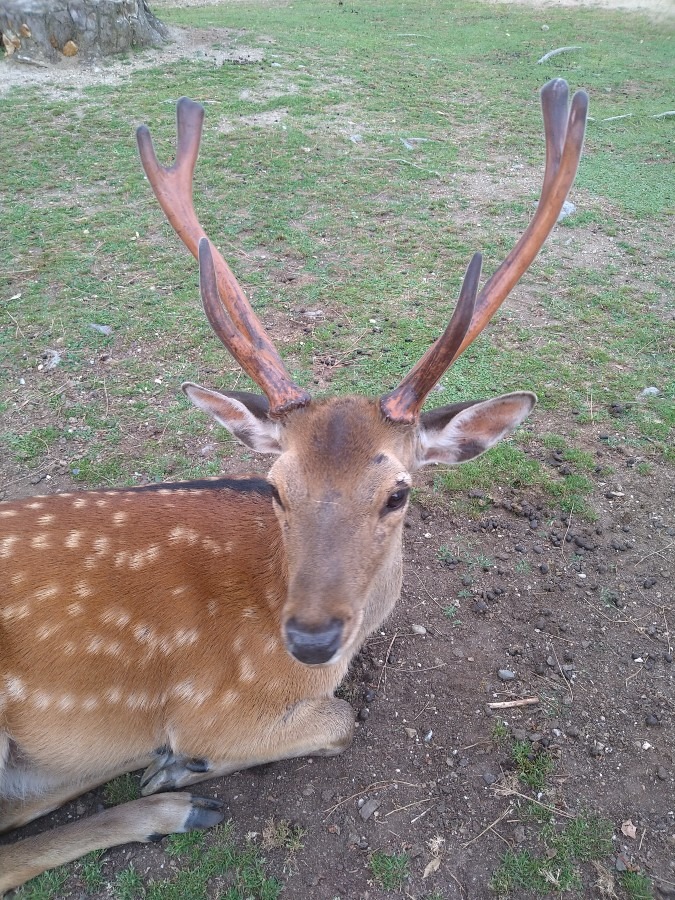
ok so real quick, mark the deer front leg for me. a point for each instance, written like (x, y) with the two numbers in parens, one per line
(308, 728)
(143, 820)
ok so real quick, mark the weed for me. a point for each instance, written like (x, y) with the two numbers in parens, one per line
(532, 766)
(48, 886)
(637, 886)
(190, 845)
(91, 871)
(128, 885)
(451, 612)
(390, 870)
(30, 447)
(523, 567)
(281, 834)
(500, 733)
(121, 790)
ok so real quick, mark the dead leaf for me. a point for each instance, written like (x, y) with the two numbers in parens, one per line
(432, 866)
(628, 829)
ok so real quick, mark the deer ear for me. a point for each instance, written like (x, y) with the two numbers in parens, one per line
(244, 415)
(454, 434)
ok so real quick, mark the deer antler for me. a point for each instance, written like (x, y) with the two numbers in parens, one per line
(227, 308)
(564, 140)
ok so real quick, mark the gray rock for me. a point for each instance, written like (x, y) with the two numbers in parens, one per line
(369, 808)
(506, 675)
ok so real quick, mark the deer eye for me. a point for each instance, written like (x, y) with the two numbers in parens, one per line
(275, 496)
(396, 500)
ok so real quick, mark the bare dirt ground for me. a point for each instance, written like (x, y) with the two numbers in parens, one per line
(581, 615)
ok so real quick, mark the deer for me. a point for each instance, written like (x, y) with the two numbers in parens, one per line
(197, 628)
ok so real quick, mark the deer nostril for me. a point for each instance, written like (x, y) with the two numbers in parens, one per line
(313, 645)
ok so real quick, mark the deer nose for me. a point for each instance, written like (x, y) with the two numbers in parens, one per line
(313, 645)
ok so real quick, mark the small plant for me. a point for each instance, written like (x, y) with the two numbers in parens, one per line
(450, 612)
(637, 886)
(390, 870)
(523, 567)
(532, 766)
(189, 844)
(91, 872)
(500, 733)
(128, 885)
(121, 790)
(280, 834)
(48, 886)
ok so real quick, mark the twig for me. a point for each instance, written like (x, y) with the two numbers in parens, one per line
(656, 553)
(371, 787)
(489, 827)
(421, 815)
(507, 704)
(555, 52)
(383, 673)
(507, 791)
(569, 525)
(409, 806)
(560, 669)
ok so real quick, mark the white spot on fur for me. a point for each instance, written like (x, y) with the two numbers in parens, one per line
(17, 611)
(41, 700)
(249, 613)
(75, 609)
(113, 695)
(120, 518)
(115, 615)
(6, 545)
(70, 648)
(181, 533)
(79, 502)
(46, 631)
(83, 590)
(35, 505)
(186, 637)
(89, 704)
(6, 513)
(46, 592)
(94, 644)
(101, 545)
(228, 698)
(46, 520)
(66, 702)
(18, 578)
(15, 687)
(247, 670)
(102, 503)
(142, 558)
(212, 547)
(72, 542)
(40, 542)
(271, 645)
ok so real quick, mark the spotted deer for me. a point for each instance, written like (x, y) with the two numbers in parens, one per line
(198, 628)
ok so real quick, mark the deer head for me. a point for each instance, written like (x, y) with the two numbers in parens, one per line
(344, 466)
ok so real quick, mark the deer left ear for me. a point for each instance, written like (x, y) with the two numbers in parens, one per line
(462, 431)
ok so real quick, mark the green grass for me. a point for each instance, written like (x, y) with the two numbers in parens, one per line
(122, 790)
(390, 870)
(636, 886)
(584, 838)
(532, 766)
(377, 231)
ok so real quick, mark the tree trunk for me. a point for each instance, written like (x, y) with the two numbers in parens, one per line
(51, 29)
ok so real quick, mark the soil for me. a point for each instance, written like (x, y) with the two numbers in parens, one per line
(582, 614)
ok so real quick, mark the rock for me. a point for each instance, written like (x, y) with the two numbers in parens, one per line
(506, 675)
(652, 720)
(650, 392)
(489, 778)
(418, 629)
(661, 774)
(567, 209)
(70, 48)
(369, 808)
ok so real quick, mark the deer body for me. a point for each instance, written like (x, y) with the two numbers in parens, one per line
(199, 628)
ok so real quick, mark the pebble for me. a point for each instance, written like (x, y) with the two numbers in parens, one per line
(480, 607)
(364, 714)
(369, 808)
(652, 720)
(649, 582)
(489, 778)
(668, 657)
(506, 675)
(519, 834)
(544, 569)
(661, 774)
(418, 629)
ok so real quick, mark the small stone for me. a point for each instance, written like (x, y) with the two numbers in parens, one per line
(489, 778)
(506, 675)
(668, 657)
(418, 629)
(652, 720)
(519, 834)
(364, 714)
(70, 48)
(544, 569)
(369, 808)
(480, 607)
(650, 392)
(411, 732)
(661, 774)
(649, 582)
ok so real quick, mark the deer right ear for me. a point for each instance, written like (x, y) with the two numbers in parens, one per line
(244, 415)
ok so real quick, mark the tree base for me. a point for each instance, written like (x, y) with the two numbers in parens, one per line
(52, 29)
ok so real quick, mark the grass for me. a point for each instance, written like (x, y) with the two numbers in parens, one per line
(583, 839)
(532, 766)
(390, 870)
(636, 886)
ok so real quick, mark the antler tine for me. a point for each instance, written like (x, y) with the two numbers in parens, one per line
(564, 141)
(404, 403)
(242, 333)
